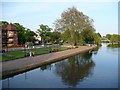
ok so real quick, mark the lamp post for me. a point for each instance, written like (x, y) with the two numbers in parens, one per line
(25, 49)
(25, 45)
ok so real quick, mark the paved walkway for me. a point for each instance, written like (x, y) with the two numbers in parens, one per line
(21, 65)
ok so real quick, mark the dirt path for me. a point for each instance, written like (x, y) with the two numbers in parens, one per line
(24, 64)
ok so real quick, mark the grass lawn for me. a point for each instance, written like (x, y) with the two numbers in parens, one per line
(21, 54)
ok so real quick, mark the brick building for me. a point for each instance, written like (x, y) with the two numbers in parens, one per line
(9, 35)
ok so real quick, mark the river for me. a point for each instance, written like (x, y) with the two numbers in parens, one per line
(97, 69)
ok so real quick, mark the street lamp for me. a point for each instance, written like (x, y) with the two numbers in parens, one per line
(25, 50)
(25, 45)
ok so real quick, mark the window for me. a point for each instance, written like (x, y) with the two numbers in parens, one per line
(10, 40)
(10, 33)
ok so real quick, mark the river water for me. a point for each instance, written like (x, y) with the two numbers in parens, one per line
(98, 69)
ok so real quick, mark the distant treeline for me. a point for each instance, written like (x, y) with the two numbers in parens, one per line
(114, 45)
(114, 38)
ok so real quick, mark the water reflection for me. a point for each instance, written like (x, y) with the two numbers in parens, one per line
(74, 69)
(96, 50)
(85, 70)
(44, 67)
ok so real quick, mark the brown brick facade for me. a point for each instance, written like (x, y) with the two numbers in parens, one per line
(9, 36)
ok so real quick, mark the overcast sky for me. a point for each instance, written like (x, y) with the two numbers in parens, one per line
(32, 14)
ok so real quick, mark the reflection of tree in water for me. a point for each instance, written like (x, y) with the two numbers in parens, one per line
(95, 51)
(45, 67)
(75, 68)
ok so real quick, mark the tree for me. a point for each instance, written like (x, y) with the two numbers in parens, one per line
(21, 33)
(108, 36)
(115, 38)
(29, 35)
(72, 23)
(65, 35)
(97, 38)
(55, 37)
(5, 23)
(88, 35)
(99, 35)
(24, 35)
(44, 32)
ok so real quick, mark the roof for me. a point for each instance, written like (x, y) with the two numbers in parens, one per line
(11, 27)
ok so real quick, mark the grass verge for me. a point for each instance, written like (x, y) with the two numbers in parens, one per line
(21, 54)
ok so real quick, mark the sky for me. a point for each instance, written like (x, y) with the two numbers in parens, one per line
(31, 14)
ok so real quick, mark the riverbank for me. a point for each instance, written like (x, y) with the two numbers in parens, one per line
(113, 45)
(28, 63)
(22, 53)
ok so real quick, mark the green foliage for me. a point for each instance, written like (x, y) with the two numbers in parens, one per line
(108, 36)
(29, 35)
(55, 37)
(88, 35)
(115, 38)
(97, 38)
(99, 35)
(23, 34)
(4, 23)
(72, 23)
(114, 45)
(65, 35)
(44, 32)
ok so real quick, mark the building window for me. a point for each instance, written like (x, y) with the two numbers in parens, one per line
(10, 34)
(10, 40)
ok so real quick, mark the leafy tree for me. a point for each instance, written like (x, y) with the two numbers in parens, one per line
(88, 36)
(55, 37)
(21, 33)
(72, 23)
(44, 32)
(24, 35)
(108, 36)
(115, 38)
(119, 38)
(65, 36)
(97, 38)
(5, 23)
(29, 35)
(99, 35)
